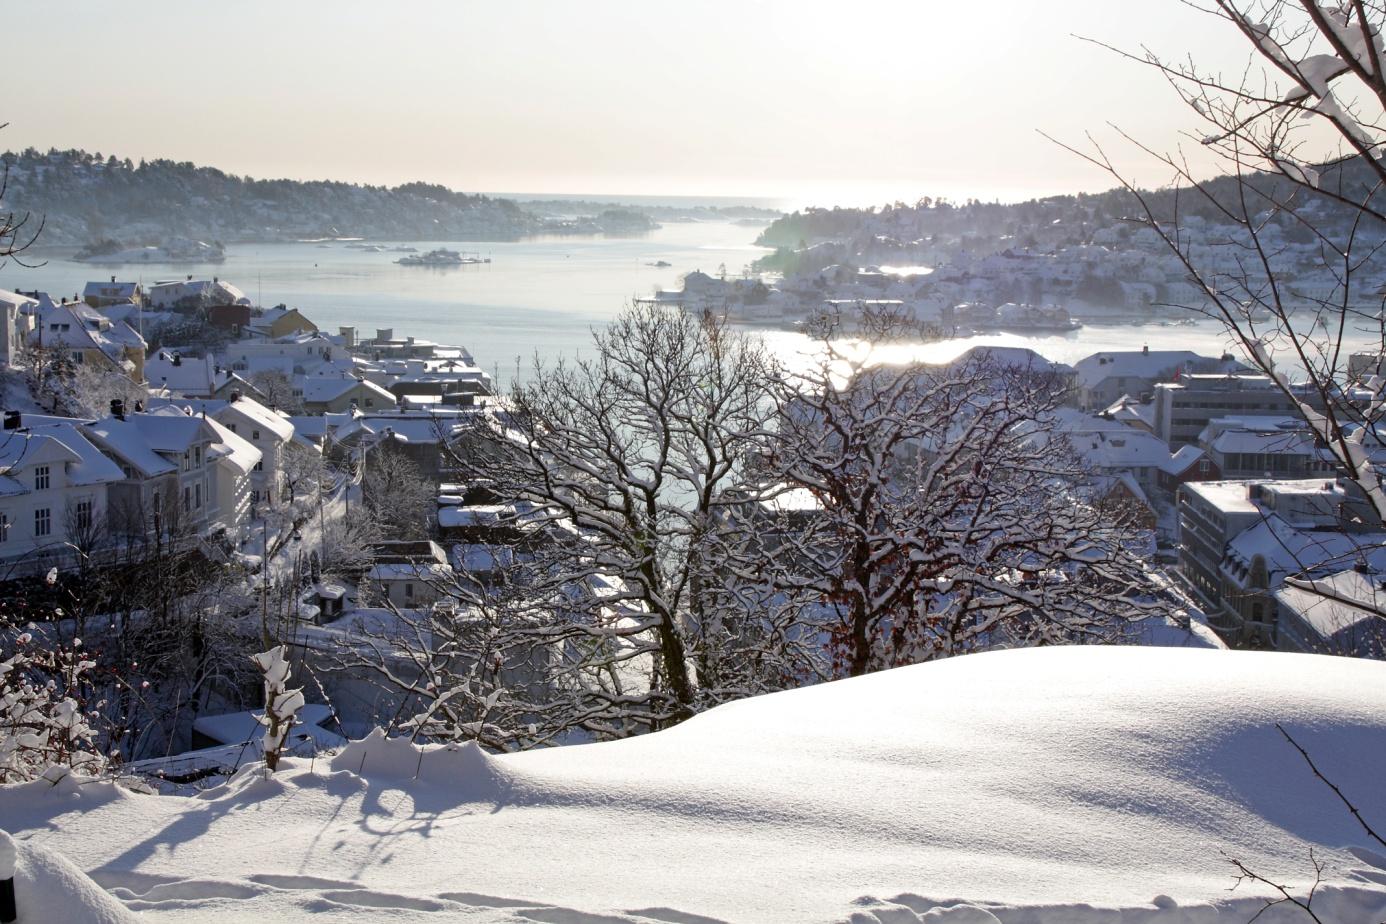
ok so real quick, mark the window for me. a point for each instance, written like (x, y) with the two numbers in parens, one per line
(187, 498)
(79, 357)
(43, 522)
(409, 591)
(83, 515)
(260, 466)
(197, 496)
(231, 427)
(4, 527)
(41, 478)
(255, 435)
(197, 456)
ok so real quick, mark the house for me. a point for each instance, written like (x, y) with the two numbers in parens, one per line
(1103, 378)
(1190, 463)
(16, 312)
(185, 475)
(409, 574)
(193, 293)
(194, 376)
(91, 338)
(232, 318)
(101, 294)
(267, 430)
(279, 321)
(1131, 412)
(323, 394)
(419, 436)
(53, 495)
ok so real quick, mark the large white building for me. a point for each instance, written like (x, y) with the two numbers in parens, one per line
(53, 494)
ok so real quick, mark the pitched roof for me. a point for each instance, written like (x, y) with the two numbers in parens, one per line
(1142, 364)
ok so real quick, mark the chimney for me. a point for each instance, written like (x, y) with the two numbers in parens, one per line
(12, 419)
(215, 280)
(139, 407)
(178, 359)
(236, 395)
(117, 409)
(1146, 349)
(190, 277)
(113, 279)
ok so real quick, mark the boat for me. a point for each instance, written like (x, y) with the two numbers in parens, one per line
(660, 264)
(442, 257)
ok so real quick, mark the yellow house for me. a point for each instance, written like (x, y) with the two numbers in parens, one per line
(280, 322)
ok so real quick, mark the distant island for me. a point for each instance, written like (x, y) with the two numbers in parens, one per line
(111, 207)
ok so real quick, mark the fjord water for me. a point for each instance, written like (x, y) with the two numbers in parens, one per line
(539, 296)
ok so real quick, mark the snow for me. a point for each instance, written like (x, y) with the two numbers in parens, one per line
(1046, 786)
(49, 888)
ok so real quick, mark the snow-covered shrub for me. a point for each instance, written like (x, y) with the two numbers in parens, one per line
(43, 711)
(281, 703)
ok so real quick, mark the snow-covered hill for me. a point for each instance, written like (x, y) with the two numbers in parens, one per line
(1047, 786)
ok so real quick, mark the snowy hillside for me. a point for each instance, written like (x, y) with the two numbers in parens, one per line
(1042, 785)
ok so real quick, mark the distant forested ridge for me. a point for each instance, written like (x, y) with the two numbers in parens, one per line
(941, 227)
(83, 197)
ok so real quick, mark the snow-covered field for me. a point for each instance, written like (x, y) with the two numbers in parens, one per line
(1051, 786)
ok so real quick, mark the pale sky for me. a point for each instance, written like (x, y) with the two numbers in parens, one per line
(852, 102)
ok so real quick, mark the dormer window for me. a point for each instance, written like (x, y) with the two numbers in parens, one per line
(41, 478)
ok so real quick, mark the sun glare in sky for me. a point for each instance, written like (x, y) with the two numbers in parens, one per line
(799, 102)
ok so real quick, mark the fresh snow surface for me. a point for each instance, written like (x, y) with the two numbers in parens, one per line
(1049, 786)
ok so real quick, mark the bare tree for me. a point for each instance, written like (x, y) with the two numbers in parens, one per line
(936, 522)
(278, 391)
(629, 466)
(395, 492)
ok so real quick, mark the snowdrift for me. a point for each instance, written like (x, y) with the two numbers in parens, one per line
(54, 889)
(1051, 786)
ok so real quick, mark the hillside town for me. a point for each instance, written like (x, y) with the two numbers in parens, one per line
(1041, 266)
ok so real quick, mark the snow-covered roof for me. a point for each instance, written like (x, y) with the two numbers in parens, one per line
(111, 289)
(1183, 460)
(126, 439)
(1287, 549)
(218, 292)
(228, 411)
(320, 389)
(1126, 448)
(76, 326)
(242, 727)
(233, 449)
(1140, 364)
(1343, 609)
(403, 571)
(15, 300)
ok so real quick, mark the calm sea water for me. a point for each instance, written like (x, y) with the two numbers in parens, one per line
(541, 296)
